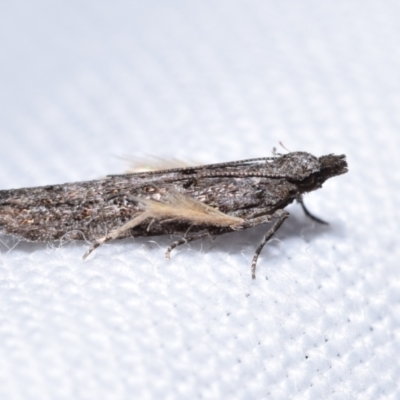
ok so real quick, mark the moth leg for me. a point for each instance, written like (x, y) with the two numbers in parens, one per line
(149, 225)
(281, 218)
(184, 240)
(309, 215)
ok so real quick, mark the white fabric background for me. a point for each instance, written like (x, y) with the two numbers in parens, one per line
(84, 81)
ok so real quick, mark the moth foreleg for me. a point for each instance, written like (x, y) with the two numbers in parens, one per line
(309, 215)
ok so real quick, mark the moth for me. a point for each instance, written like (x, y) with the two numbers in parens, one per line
(192, 202)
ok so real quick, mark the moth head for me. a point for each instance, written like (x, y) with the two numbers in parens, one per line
(309, 172)
(331, 165)
(297, 166)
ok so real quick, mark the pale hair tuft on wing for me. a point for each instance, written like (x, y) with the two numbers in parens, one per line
(155, 163)
(180, 207)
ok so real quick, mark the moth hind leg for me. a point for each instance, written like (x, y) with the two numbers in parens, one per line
(117, 232)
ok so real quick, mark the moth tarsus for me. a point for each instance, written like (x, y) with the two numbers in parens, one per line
(194, 202)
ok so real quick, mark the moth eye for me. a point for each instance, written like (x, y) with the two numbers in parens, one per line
(309, 181)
